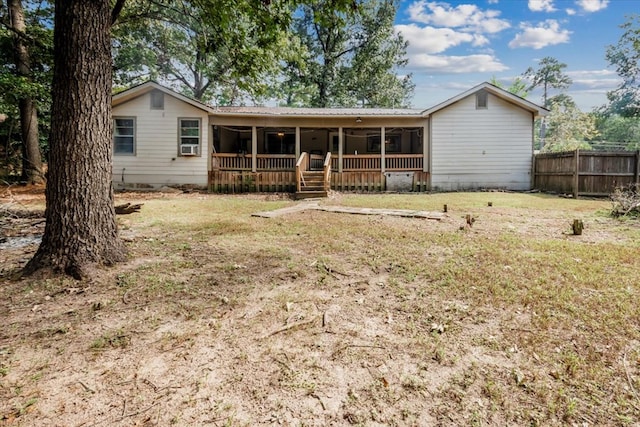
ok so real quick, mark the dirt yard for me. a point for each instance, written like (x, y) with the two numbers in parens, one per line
(320, 318)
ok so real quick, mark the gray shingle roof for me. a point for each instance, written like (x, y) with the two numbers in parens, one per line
(308, 112)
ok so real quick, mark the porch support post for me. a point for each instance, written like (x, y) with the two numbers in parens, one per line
(340, 145)
(254, 149)
(297, 143)
(382, 150)
(425, 149)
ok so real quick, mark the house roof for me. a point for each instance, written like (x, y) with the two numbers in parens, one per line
(318, 112)
(143, 88)
(495, 90)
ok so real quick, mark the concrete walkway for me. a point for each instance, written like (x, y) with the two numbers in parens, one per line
(407, 213)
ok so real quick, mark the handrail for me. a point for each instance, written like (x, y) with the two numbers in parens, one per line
(301, 164)
(327, 171)
(327, 159)
(301, 158)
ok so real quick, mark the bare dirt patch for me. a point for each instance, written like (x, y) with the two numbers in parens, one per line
(318, 318)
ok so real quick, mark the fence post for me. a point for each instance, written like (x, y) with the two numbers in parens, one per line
(576, 174)
(533, 170)
(637, 178)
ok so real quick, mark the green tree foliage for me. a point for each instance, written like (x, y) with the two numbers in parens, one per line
(352, 57)
(518, 86)
(29, 81)
(617, 132)
(625, 57)
(548, 75)
(81, 228)
(212, 50)
(568, 128)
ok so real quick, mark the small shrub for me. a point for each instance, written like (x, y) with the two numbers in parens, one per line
(626, 201)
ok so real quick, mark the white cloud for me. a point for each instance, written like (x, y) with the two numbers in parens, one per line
(571, 12)
(590, 73)
(592, 5)
(541, 6)
(436, 40)
(608, 84)
(594, 79)
(545, 34)
(493, 1)
(456, 64)
(467, 17)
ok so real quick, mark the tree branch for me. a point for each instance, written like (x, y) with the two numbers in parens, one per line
(116, 11)
(26, 37)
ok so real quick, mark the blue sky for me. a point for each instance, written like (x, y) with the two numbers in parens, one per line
(454, 45)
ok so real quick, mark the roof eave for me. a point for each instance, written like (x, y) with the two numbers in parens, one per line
(146, 87)
(537, 110)
(317, 116)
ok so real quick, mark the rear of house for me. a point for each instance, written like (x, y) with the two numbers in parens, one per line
(482, 141)
(258, 149)
(482, 138)
(160, 139)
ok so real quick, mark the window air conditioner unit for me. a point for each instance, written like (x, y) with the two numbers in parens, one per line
(189, 150)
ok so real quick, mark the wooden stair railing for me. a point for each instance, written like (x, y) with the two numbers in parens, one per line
(312, 183)
(301, 165)
(327, 172)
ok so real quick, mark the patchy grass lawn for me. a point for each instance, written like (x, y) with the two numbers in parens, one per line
(317, 318)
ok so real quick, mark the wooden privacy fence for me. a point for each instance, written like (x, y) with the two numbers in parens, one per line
(586, 173)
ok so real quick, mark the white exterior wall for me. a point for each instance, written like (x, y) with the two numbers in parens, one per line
(484, 148)
(156, 162)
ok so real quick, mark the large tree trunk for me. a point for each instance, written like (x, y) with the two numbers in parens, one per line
(81, 223)
(31, 158)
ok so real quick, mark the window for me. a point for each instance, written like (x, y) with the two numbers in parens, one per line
(481, 100)
(189, 136)
(391, 143)
(124, 136)
(280, 142)
(157, 100)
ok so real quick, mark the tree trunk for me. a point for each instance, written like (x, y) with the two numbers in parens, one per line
(31, 159)
(81, 223)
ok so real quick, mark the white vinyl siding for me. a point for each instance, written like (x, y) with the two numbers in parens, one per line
(157, 162)
(124, 136)
(481, 148)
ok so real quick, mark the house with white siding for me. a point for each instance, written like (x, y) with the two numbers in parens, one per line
(482, 138)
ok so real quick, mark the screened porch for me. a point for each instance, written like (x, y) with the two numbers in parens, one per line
(237, 148)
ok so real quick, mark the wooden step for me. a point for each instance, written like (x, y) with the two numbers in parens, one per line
(310, 194)
(312, 185)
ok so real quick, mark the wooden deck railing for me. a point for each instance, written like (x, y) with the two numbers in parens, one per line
(287, 162)
(283, 162)
(373, 162)
(265, 162)
(404, 162)
(228, 161)
(316, 161)
(361, 162)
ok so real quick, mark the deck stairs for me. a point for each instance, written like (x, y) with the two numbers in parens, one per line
(312, 175)
(312, 185)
